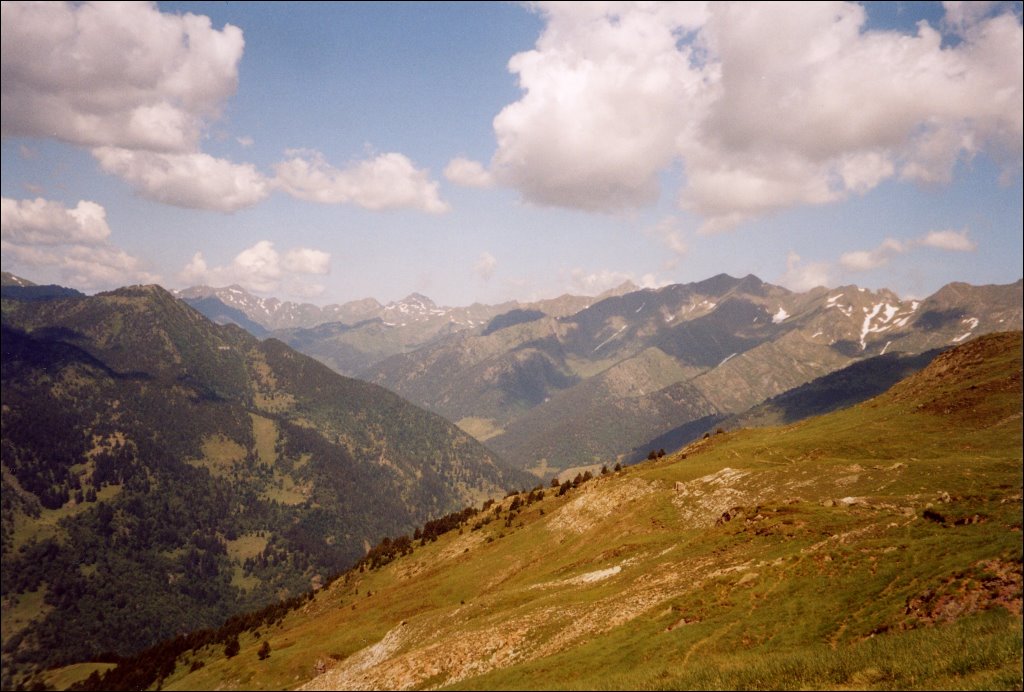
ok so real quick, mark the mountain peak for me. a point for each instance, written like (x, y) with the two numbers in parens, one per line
(717, 285)
(140, 290)
(418, 299)
(9, 279)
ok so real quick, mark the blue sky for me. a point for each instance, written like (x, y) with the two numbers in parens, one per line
(480, 152)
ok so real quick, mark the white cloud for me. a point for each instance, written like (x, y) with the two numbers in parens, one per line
(605, 97)
(593, 283)
(667, 232)
(89, 267)
(45, 236)
(44, 222)
(306, 261)
(194, 180)
(954, 241)
(765, 105)
(485, 266)
(864, 260)
(803, 276)
(262, 269)
(468, 173)
(387, 181)
(114, 74)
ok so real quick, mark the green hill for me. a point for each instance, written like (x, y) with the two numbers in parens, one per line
(161, 473)
(874, 547)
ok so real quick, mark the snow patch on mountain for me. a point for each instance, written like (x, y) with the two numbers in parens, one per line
(972, 323)
(621, 329)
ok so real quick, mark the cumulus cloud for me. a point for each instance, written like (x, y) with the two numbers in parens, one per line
(261, 268)
(193, 180)
(485, 266)
(764, 105)
(606, 94)
(137, 86)
(45, 222)
(306, 261)
(667, 232)
(803, 276)
(593, 283)
(865, 260)
(44, 235)
(468, 173)
(386, 181)
(956, 241)
(140, 88)
(114, 74)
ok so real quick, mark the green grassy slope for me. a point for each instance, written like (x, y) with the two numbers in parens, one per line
(875, 547)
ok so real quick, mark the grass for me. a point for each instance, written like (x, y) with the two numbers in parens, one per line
(481, 428)
(46, 526)
(264, 431)
(220, 455)
(20, 609)
(63, 678)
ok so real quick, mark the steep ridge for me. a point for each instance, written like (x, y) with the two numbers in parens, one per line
(161, 472)
(873, 547)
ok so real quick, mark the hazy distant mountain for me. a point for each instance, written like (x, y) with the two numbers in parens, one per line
(580, 389)
(9, 279)
(354, 336)
(161, 472)
(15, 287)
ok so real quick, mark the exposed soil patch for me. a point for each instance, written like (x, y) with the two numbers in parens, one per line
(989, 584)
(597, 503)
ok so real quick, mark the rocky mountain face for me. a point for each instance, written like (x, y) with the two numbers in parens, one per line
(161, 472)
(557, 392)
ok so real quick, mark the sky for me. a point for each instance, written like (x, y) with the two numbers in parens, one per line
(484, 152)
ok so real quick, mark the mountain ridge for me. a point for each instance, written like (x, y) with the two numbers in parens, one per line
(743, 343)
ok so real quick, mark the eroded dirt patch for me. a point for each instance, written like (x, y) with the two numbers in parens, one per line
(989, 584)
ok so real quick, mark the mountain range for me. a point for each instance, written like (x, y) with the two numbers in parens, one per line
(875, 547)
(573, 382)
(354, 336)
(162, 472)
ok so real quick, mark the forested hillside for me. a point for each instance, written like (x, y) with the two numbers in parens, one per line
(161, 472)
